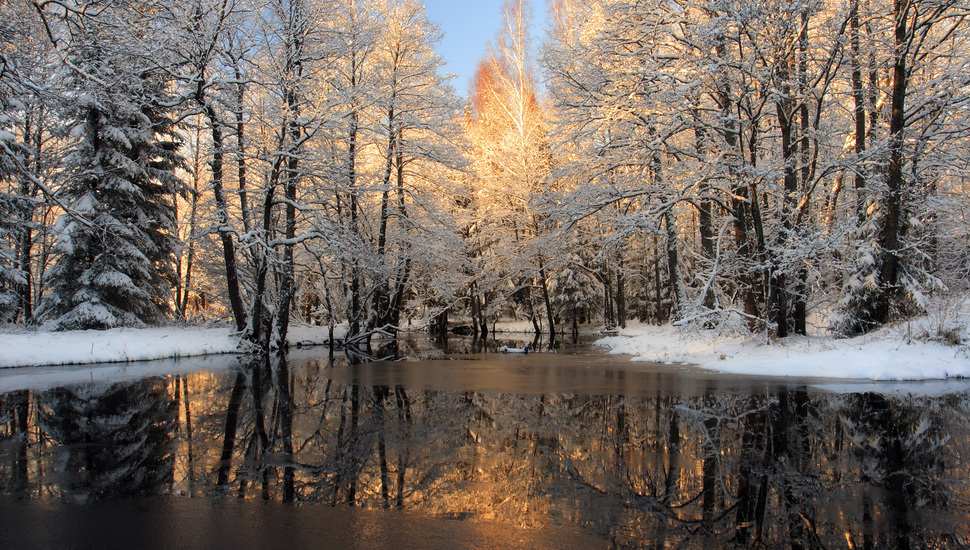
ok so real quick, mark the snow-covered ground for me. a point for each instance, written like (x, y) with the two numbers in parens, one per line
(111, 346)
(907, 352)
(26, 348)
(913, 351)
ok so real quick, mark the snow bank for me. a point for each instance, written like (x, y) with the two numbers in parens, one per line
(112, 346)
(309, 335)
(885, 355)
(77, 347)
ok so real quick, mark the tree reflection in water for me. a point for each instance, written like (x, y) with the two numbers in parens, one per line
(771, 467)
(111, 441)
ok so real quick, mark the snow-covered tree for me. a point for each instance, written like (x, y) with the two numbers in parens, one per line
(574, 291)
(117, 240)
(209, 54)
(507, 129)
(378, 187)
(618, 85)
(746, 122)
(420, 159)
(11, 204)
(893, 267)
(756, 162)
(28, 156)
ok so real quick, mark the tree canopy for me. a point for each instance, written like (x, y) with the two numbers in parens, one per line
(749, 164)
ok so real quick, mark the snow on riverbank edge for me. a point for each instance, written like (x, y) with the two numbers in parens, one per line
(895, 353)
(113, 346)
(120, 345)
(888, 354)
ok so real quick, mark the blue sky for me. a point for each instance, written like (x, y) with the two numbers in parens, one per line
(468, 26)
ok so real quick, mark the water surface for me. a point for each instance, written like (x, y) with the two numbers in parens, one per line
(475, 450)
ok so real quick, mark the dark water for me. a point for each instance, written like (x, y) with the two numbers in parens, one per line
(475, 451)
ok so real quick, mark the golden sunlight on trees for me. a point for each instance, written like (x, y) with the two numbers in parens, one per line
(745, 164)
(507, 129)
(731, 129)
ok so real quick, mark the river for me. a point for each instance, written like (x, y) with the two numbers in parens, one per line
(463, 448)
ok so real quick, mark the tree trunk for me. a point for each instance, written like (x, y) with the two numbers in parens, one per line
(404, 273)
(185, 279)
(609, 319)
(483, 318)
(778, 291)
(222, 215)
(705, 209)
(892, 222)
(259, 313)
(740, 201)
(24, 242)
(575, 324)
(380, 303)
(860, 112)
(659, 317)
(190, 257)
(675, 281)
(474, 305)
(620, 293)
(241, 151)
(548, 302)
(292, 128)
(24, 256)
(533, 316)
(354, 311)
(800, 310)
(443, 326)
(287, 268)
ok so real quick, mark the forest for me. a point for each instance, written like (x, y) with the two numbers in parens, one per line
(756, 165)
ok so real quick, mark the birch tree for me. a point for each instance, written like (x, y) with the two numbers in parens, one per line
(511, 149)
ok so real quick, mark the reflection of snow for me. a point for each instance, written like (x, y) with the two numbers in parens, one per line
(931, 388)
(45, 378)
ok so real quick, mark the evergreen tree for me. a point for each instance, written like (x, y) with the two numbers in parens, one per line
(117, 242)
(12, 154)
(10, 274)
(10, 204)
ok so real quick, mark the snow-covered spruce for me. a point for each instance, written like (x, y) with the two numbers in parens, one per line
(117, 243)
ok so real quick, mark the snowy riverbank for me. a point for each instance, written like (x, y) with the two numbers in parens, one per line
(111, 346)
(907, 352)
(27, 348)
(911, 351)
